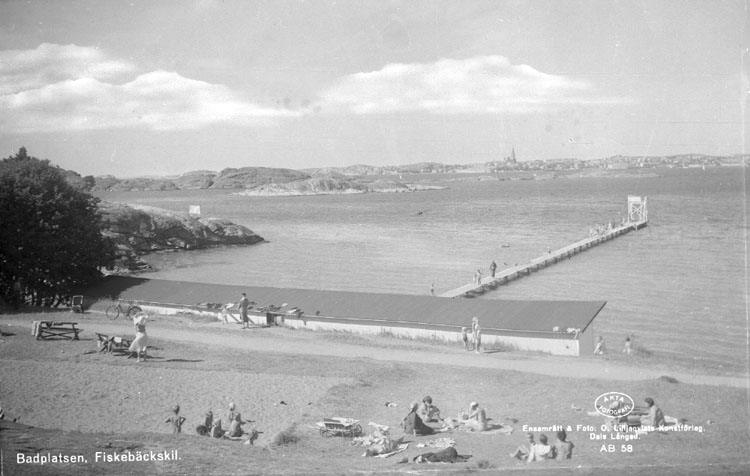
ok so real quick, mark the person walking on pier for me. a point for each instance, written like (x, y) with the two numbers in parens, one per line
(493, 268)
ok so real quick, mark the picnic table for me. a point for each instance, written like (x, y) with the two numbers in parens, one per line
(44, 330)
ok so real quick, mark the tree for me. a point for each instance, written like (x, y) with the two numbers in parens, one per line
(50, 232)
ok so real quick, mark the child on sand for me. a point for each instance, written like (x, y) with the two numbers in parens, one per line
(600, 349)
(176, 420)
(465, 338)
(628, 349)
(216, 430)
(427, 411)
(208, 423)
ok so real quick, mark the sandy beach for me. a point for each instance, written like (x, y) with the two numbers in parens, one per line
(284, 381)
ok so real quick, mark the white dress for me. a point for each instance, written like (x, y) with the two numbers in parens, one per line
(141, 339)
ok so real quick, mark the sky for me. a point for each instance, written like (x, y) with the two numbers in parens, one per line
(157, 87)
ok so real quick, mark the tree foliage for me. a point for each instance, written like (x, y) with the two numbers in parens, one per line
(50, 231)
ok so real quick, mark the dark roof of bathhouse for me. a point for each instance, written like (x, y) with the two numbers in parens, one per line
(369, 308)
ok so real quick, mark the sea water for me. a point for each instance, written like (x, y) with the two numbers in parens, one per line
(679, 285)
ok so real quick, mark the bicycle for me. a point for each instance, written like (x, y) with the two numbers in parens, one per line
(114, 311)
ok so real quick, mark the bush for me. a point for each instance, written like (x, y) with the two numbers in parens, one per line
(640, 351)
(484, 464)
(286, 437)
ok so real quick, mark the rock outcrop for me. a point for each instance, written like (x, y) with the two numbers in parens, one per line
(137, 230)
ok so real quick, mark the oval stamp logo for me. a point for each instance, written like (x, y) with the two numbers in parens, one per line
(614, 404)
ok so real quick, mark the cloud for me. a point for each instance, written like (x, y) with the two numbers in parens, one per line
(485, 84)
(21, 70)
(73, 88)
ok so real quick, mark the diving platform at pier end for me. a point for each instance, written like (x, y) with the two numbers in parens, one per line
(637, 218)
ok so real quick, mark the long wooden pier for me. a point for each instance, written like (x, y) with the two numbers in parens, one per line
(514, 272)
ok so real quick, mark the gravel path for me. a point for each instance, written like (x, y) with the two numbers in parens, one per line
(280, 340)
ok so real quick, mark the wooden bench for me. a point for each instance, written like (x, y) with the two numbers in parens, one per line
(44, 330)
(112, 343)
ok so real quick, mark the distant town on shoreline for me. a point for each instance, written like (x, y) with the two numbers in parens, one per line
(282, 181)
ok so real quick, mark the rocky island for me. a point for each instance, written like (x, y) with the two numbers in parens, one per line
(332, 183)
(259, 181)
(137, 230)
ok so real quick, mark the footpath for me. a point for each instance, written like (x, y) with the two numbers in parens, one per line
(285, 341)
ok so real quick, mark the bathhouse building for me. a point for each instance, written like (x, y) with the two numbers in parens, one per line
(556, 327)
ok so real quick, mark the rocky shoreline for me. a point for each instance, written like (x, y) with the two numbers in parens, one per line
(137, 230)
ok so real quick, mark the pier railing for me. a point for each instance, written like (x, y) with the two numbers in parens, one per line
(552, 257)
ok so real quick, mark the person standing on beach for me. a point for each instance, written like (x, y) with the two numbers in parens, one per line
(243, 304)
(140, 342)
(465, 338)
(432, 289)
(476, 333)
(628, 349)
(493, 268)
(17, 293)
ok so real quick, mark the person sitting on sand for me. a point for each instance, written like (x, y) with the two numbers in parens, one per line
(427, 411)
(541, 450)
(447, 455)
(230, 415)
(176, 420)
(654, 418)
(564, 448)
(475, 419)
(413, 424)
(383, 445)
(523, 452)
(235, 428)
(216, 430)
